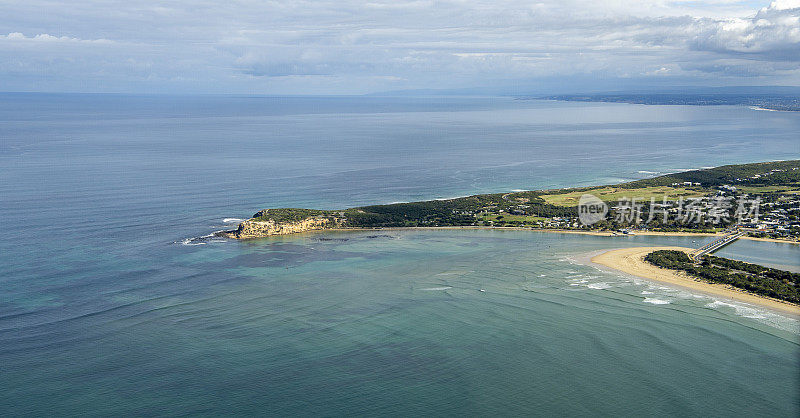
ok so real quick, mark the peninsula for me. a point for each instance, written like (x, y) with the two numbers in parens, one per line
(731, 279)
(634, 207)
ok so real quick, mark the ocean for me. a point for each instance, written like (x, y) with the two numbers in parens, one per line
(107, 307)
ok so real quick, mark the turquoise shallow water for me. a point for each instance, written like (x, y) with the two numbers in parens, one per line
(105, 311)
(380, 323)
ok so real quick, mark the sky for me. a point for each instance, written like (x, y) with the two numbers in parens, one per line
(357, 47)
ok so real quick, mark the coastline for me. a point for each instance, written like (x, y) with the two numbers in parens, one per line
(631, 261)
(228, 234)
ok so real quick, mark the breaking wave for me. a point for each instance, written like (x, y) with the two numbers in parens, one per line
(202, 240)
(598, 286)
(656, 301)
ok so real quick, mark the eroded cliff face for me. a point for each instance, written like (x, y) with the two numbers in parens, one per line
(255, 229)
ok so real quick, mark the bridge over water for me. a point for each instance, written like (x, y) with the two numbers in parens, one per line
(731, 236)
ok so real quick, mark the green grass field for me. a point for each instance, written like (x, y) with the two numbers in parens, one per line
(615, 193)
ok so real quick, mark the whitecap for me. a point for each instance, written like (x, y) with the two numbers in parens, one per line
(718, 303)
(437, 288)
(741, 310)
(656, 301)
(684, 295)
(761, 315)
(644, 292)
(190, 241)
(202, 240)
(232, 220)
(598, 286)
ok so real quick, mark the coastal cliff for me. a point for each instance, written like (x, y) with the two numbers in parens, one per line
(255, 229)
(269, 222)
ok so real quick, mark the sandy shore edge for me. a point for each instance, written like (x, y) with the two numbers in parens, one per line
(576, 232)
(631, 261)
(543, 230)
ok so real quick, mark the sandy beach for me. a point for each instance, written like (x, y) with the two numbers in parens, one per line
(631, 261)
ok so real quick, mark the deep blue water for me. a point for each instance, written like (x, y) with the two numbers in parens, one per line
(104, 311)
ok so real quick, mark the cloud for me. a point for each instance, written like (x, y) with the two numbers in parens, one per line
(349, 46)
(44, 37)
(773, 32)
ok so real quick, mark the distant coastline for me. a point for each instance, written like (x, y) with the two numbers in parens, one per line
(771, 102)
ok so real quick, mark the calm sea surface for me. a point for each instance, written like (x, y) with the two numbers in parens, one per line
(106, 310)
